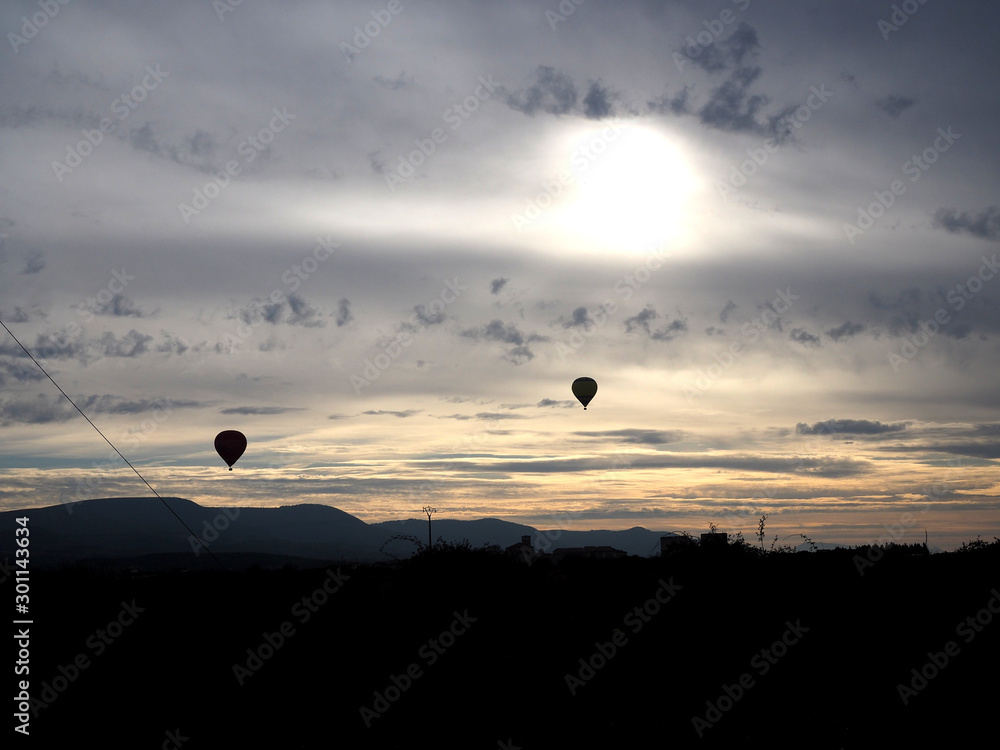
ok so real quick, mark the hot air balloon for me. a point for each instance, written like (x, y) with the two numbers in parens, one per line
(585, 389)
(230, 444)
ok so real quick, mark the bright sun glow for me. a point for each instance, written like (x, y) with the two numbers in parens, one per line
(630, 188)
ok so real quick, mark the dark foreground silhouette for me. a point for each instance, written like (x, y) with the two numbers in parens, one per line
(461, 648)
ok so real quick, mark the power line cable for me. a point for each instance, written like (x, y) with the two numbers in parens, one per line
(113, 446)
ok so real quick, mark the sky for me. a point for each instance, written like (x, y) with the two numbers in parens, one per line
(383, 238)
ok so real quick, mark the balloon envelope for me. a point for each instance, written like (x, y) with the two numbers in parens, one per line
(585, 389)
(230, 444)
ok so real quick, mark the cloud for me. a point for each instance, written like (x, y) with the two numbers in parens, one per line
(119, 306)
(581, 319)
(518, 351)
(260, 410)
(845, 331)
(291, 310)
(985, 225)
(802, 336)
(547, 402)
(641, 322)
(172, 344)
(677, 105)
(849, 426)
(497, 284)
(44, 409)
(132, 344)
(399, 83)
(727, 311)
(894, 106)
(641, 437)
(49, 346)
(34, 263)
(819, 467)
(344, 312)
(598, 104)
(553, 92)
(399, 414)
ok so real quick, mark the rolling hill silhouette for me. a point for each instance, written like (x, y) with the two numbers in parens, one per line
(127, 529)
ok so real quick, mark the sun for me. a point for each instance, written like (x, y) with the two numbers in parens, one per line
(631, 184)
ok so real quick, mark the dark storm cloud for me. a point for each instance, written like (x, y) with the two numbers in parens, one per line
(985, 224)
(641, 322)
(641, 437)
(849, 426)
(260, 410)
(552, 92)
(344, 312)
(802, 336)
(497, 284)
(894, 106)
(34, 263)
(845, 331)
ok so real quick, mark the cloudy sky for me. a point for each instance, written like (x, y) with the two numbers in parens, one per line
(383, 238)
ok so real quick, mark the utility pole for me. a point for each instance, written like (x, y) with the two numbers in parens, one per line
(428, 510)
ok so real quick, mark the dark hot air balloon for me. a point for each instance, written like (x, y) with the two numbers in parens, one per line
(585, 389)
(230, 444)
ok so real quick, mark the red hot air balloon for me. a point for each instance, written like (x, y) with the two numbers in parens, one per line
(585, 389)
(230, 444)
